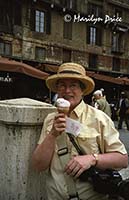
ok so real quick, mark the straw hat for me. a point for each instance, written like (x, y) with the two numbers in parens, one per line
(74, 71)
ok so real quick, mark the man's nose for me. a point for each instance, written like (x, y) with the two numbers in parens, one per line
(67, 88)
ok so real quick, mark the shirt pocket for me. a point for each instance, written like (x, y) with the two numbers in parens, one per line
(89, 142)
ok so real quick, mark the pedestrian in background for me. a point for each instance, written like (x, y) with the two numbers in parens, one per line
(103, 92)
(55, 97)
(93, 102)
(123, 114)
(102, 103)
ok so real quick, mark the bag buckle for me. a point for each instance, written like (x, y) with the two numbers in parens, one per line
(62, 151)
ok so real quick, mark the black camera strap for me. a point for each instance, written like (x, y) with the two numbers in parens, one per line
(75, 144)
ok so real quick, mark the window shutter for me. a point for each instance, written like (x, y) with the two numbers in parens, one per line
(99, 37)
(32, 19)
(48, 22)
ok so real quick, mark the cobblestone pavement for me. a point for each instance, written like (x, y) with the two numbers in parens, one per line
(124, 136)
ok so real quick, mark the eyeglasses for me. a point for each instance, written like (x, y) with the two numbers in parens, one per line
(72, 86)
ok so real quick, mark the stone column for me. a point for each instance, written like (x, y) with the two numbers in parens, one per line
(20, 127)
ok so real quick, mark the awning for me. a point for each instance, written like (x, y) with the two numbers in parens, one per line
(15, 66)
(92, 74)
(125, 80)
(48, 67)
(101, 77)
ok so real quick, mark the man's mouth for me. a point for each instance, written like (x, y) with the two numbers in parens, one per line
(67, 97)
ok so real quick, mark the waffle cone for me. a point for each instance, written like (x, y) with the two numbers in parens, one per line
(64, 110)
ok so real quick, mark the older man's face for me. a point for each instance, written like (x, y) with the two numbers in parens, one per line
(97, 96)
(70, 89)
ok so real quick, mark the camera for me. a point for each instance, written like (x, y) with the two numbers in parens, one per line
(107, 181)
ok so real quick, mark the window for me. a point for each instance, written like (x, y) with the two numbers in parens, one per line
(66, 55)
(41, 21)
(70, 4)
(40, 53)
(95, 10)
(116, 42)
(10, 14)
(93, 60)
(17, 13)
(116, 64)
(67, 33)
(94, 35)
(118, 12)
(5, 49)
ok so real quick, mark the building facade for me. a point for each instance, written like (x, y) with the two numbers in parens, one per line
(46, 33)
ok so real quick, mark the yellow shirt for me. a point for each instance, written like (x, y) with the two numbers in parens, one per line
(97, 126)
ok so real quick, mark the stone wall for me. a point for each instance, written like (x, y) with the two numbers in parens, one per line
(20, 126)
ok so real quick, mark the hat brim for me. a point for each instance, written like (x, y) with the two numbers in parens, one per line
(86, 80)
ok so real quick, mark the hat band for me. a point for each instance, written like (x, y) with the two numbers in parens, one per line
(69, 72)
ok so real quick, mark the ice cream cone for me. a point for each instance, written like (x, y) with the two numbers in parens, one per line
(62, 105)
(64, 110)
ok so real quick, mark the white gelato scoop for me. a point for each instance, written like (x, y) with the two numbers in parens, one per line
(62, 105)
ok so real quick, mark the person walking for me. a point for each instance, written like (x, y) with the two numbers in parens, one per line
(123, 115)
(56, 154)
(102, 103)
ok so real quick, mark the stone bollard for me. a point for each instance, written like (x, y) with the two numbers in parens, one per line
(20, 127)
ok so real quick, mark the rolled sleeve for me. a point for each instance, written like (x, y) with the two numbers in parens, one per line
(111, 139)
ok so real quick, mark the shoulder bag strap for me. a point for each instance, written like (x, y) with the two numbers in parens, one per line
(75, 144)
(64, 155)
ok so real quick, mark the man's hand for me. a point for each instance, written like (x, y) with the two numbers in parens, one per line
(79, 164)
(59, 124)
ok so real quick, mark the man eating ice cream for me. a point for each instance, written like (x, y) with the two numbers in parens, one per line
(99, 139)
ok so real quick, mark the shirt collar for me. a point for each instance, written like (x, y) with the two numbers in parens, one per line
(79, 109)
